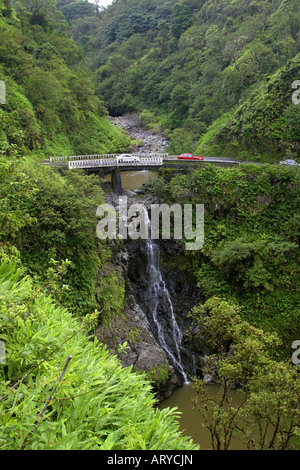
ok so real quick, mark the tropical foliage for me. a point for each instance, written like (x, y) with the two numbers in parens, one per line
(50, 94)
(217, 77)
(267, 413)
(61, 390)
(251, 239)
(191, 62)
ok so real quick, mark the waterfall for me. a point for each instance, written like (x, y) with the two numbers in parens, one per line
(158, 290)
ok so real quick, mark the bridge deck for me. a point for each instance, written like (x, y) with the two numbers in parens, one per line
(111, 156)
(110, 161)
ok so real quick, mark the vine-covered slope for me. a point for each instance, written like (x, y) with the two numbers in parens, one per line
(49, 93)
(194, 66)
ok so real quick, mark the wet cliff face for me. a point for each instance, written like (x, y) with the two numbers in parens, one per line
(144, 296)
(143, 352)
(182, 294)
(155, 343)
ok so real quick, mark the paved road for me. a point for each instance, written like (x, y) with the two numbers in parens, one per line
(228, 160)
(84, 161)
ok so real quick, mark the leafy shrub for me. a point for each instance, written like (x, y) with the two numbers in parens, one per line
(61, 391)
(251, 252)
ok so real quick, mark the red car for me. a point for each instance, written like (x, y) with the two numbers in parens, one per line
(189, 156)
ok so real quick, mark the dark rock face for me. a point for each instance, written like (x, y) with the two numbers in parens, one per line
(143, 351)
(183, 294)
(137, 326)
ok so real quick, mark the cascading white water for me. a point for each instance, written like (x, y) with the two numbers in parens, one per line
(157, 289)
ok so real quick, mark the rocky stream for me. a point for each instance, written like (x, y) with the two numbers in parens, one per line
(158, 297)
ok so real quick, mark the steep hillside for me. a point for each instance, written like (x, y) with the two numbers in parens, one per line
(193, 62)
(267, 122)
(250, 255)
(50, 95)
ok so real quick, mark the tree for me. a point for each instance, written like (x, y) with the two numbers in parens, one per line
(79, 9)
(6, 9)
(243, 357)
(65, 212)
(17, 190)
(181, 18)
(179, 103)
(271, 412)
(43, 13)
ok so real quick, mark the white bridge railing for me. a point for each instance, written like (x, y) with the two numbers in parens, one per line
(104, 156)
(111, 162)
